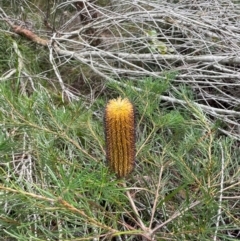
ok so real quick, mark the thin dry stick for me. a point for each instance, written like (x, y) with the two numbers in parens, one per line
(231, 198)
(125, 57)
(68, 93)
(86, 216)
(8, 74)
(28, 194)
(175, 215)
(141, 224)
(221, 194)
(147, 232)
(156, 197)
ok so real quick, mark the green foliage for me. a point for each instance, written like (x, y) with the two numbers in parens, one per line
(155, 44)
(7, 57)
(53, 159)
(55, 184)
(186, 144)
(54, 181)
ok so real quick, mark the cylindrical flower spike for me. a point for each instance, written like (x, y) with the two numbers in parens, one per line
(120, 136)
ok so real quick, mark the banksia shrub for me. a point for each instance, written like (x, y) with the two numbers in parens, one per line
(120, 136)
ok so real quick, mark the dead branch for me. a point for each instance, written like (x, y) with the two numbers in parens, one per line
(199, 41)
(159, 57)
(30, 35)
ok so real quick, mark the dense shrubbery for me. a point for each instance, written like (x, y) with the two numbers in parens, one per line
(176, 62)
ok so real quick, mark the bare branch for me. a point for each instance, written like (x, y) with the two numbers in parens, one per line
(199, 41)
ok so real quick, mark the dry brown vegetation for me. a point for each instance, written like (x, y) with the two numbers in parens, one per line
(198, 41)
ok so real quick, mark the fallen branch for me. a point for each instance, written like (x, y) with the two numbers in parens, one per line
(30, 35)
(160, 57)
(123, 57)
(26, 33)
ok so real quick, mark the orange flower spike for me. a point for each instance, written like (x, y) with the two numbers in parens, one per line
(120, 136)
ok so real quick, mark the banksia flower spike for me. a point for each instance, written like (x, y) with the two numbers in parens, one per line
(120, 136)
